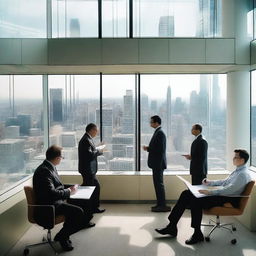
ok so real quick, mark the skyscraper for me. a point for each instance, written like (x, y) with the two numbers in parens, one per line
(168, 111)
(128, 122)
(204, 100)
(166, 26)
(107, 123)
(215, 100)
(56, 105)
(24, 121)
(74, 27)
(206, 18)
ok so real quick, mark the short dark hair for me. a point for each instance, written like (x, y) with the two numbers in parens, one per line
(52, 152)
(198, 127)
(242, 154)
(156, 119)
(90, 127)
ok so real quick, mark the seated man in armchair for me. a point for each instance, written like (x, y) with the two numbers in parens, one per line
(233, 185)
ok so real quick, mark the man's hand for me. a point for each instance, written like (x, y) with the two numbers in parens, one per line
(73, 189)
(205, 182)
(188, 157)
(145, 148)
(204, 191)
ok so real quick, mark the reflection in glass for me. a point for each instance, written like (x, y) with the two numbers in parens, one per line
(21, 129)
(22, 19)
(181, 101)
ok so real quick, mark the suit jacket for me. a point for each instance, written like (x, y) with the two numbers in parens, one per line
(87, 155)
(198, 163)
(157, 150)
(47, 185)
(48, 191)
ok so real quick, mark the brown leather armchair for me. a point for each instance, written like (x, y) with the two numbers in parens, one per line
(51, 218)
(228, 210)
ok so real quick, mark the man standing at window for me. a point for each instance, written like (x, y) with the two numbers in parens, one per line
(88, 164)
(157, 162)
(198, 156)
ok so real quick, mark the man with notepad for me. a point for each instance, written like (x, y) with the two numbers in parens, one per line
(229, 192)
(49, 190)
(88, 164)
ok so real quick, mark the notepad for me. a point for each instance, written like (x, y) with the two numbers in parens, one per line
(83, 192)
(100, 147)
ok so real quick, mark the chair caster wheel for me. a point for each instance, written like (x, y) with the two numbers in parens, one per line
(207, 239)
(26, 252)
(233, 241)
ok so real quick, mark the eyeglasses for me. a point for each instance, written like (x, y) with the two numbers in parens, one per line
(237, 157)
(62, 157)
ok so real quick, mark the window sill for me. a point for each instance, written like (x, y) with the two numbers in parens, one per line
(141, 173)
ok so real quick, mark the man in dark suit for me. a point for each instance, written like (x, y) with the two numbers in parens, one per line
(157, 162)
(88, 164)
(228, 192)
(49, 190)
(198, 156)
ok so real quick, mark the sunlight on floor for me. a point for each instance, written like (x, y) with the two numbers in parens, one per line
(134, 228)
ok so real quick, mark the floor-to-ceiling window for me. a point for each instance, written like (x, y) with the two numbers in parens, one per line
(73, 102)
(21, 127)
(23, 19)
(74, 18)
(118, 122)
(113, 103)
(110, 18)
(181, 101)
(170, 18)
(253, 118)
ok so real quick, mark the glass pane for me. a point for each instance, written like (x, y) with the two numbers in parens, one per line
(118, 122)
(73, 101)
(181, 101)
(19, 18)
(171, 18)
(115, 18)
(74, 18)
(253, 119)
(21, 128)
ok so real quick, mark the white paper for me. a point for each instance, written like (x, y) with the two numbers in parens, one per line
(194, 188)
(83, 192)
(100, 147)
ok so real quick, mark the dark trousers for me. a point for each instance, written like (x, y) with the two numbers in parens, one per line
(197, 178)
(158, 181)
(75, 218)
(196, 207)
(91, 180)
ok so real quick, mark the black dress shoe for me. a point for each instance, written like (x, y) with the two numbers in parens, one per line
(89, 225)
(66, 244)
(97, 210)
(194, 239)
(167, 231)
(161, 209)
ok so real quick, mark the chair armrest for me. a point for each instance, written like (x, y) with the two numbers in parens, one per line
(44, 215)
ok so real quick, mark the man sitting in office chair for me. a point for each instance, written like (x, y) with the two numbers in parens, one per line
(49, 190)
(233, 185)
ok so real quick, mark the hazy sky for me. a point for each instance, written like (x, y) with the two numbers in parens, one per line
(87, 86)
